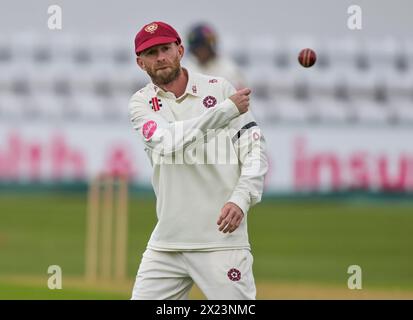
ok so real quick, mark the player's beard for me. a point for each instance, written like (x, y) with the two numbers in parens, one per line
(165, 76)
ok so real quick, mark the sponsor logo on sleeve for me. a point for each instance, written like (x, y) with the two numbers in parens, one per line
(149, 129)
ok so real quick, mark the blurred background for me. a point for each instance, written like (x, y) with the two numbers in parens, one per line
(340, 186)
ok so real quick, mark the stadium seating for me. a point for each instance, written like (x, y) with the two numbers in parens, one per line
(77, 78)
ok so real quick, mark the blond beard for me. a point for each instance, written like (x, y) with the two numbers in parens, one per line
(162, 78)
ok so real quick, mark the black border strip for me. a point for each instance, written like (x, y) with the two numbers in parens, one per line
(241, 131)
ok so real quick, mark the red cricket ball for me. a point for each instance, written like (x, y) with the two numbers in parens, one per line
(307, 57)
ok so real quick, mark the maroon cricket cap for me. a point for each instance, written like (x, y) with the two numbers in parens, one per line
(155, 33)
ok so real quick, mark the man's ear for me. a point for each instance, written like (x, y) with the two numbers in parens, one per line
(140, 63)
(181, 50)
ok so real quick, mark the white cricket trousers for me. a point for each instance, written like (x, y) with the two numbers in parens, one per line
(166, 275)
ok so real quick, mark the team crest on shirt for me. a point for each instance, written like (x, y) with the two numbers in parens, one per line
(155, 103)
(234, 274)
(209, 101)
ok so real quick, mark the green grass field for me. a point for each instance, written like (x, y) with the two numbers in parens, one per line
(302, 249)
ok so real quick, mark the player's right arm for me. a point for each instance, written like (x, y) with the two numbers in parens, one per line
(166, 138)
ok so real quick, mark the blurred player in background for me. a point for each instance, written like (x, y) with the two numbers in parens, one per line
(201, 234)
(205, 58)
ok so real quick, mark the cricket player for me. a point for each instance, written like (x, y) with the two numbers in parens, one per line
(208, 159)
(205, 58)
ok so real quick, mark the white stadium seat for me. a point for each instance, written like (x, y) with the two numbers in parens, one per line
(47, 106)
(292, 110)
(402, 110)
(370, 112)
(330, 110)
(382, 52)
(11, 106)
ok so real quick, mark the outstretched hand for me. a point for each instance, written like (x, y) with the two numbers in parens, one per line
(230, 218)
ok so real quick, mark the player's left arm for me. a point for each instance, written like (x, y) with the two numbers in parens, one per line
(249, 143)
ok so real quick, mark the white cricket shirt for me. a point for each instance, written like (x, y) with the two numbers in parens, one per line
(203, 154)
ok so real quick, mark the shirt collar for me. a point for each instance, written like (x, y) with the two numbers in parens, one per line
(192, 86)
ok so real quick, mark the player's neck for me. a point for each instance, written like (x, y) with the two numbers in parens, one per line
(177, 86)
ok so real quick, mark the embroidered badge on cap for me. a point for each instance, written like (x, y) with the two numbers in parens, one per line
(151, 28)
(148, 129)
(210, 101)
(213, 81)
(234, 274)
